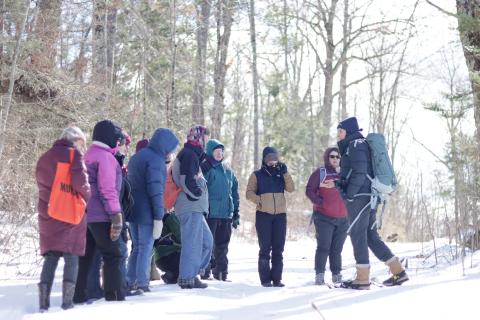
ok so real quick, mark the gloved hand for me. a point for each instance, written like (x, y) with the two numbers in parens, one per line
(235, 220)
(157, 229)
(116, 226)
(282, 168)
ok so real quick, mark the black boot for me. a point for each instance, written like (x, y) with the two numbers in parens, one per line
(396, 279)
(68, 290)
(44, 296)
(278, 284)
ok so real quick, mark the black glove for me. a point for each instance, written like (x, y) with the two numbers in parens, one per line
(235, 220)
(282, 168)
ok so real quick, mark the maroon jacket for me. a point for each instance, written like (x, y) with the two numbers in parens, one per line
(56, 235)
(325, 201)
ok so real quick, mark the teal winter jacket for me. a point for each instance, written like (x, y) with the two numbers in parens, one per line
(222, 185)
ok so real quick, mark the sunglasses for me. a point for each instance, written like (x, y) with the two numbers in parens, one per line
(334, 157)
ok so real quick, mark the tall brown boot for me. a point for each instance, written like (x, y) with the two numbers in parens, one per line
(361, 281)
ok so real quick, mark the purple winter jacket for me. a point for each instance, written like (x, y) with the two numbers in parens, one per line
(105, 178)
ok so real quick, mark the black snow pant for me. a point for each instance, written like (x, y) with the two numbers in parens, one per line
(221, 231)
(331, 234)
(98, 236)
(271, 233)
(170, 265)
(363, 236)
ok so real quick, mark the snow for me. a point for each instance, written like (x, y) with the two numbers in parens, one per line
(434, 292)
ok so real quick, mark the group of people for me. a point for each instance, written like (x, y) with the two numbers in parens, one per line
(189, 242)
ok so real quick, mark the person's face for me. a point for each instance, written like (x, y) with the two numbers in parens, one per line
(334, 159)
(218, 154)
(272, 163)
(341, 134)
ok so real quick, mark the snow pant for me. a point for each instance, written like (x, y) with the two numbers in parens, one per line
(94, 288)
(98, 236)
(170, 265)
(50, 263)
(139, 262)
(363, 236)
(330, 234)
(221, 231)
(271, 233)
(197, 243)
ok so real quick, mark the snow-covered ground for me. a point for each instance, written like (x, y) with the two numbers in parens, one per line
(440, 292)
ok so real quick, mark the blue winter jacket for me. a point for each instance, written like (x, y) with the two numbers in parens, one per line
(147, 175)
(222, 185)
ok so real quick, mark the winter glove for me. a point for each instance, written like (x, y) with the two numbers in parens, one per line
(235, 220)
(282, 168)
(116, 227)
(157, 229)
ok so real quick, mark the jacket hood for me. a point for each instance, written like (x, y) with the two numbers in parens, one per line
(326, 159)
(163, 141)
(213, 144)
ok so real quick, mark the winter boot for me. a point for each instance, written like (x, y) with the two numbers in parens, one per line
(361, 281)
(68, 290)
(320, 279)
(267, 284)
(206, 274)
(169, 278)
(278, 284)
(399, 275)
(337, 278)
(194, 283)
(44, 296)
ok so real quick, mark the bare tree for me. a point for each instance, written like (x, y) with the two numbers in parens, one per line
(47, 31)
(104, 32)
(171, 97)
(253, 42)
(203, 8)
(5, 111)
(224, 17)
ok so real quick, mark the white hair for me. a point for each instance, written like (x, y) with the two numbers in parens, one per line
(72, 134)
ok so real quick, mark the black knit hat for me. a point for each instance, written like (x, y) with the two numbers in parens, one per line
(350, 125)
(269, 154)
(108, 132)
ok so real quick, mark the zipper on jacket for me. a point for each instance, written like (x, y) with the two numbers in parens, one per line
(274, 204)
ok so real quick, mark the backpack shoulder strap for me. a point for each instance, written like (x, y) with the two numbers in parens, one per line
(323, 174)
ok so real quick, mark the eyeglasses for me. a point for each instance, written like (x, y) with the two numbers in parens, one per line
(334, 157)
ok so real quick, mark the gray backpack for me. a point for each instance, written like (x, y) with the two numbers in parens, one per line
(384, 182)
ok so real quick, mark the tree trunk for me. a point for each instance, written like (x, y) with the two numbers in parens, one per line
(5, 111)
(253, 41)
(203, 21)
(47, 32)
(343, 73)
(171, 97)
(225, 18)
(104, 32)
(328, 73)
(470, 37)
(239, 131)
